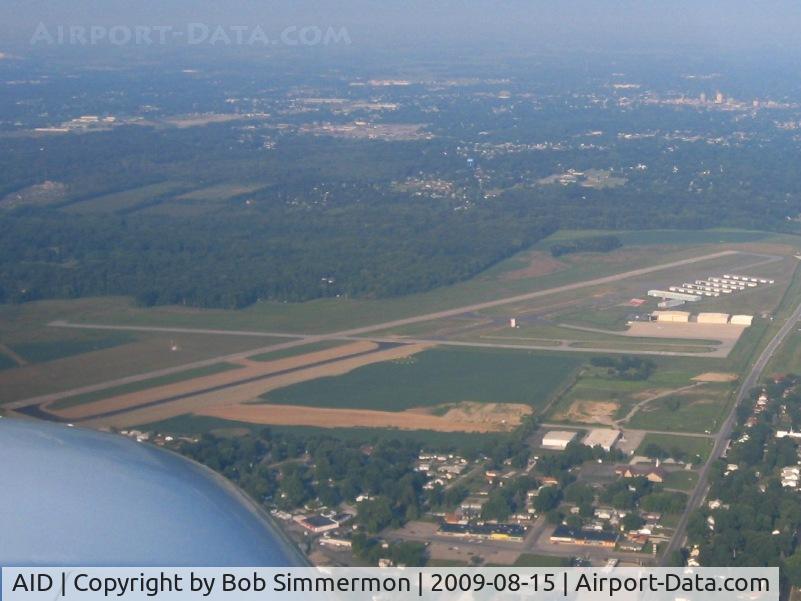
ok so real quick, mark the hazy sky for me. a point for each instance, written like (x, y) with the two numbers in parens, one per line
(724, 24)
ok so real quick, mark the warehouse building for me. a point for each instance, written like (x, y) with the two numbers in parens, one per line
(602, 437)
(558, 439)
(741, 320)
(671, 316)
(716, 318)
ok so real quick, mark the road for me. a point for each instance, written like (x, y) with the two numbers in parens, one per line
(298, 339)
(631, 430)
(722, 438)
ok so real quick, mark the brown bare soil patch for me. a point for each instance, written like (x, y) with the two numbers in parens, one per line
(714, 376)
(496, 419)
(593, 412)
(541, 263)
(505, 414)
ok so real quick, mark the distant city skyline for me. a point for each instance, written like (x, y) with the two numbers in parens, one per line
(614, 24)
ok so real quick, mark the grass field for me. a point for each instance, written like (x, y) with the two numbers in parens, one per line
(437, 376)
(699, 411)
(662, 237)
(788, 359)
(438, 441)
(530, 560)
(298, 350)
(692, 445)
(128, 199)
(50, 350)
(684, 480)
(182, 376)
(6, 362)
(615, 398)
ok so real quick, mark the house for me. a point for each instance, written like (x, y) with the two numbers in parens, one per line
(650, 473)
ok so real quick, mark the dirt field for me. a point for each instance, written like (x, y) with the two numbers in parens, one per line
(249, 391)
(541, 263)
(592, 412)
(249, 369)
(713, 376)
(496, 418)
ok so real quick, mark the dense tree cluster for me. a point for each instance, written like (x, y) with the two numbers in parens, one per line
(589, 244)
(626, 367)
(327, 219)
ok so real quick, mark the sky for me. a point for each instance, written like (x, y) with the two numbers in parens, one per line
(716, 25)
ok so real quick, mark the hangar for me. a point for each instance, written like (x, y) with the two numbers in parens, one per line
(671, 316)
(558, 439)
(601, 437)
(718, 318)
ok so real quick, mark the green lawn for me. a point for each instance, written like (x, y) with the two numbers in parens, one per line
(681, 480)
(437, 376)
(692, 445)
(106, 393)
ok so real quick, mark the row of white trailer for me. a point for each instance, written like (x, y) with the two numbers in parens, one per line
(714, 286)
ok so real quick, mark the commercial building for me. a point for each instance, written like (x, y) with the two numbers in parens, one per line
(511, 532)
(558, 439)
(576, 536)
(316, 523)
(742, 320)
(602, 437)
(671, 316)
(715, 318)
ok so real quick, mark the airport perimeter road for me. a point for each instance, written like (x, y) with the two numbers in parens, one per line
(722, 438)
